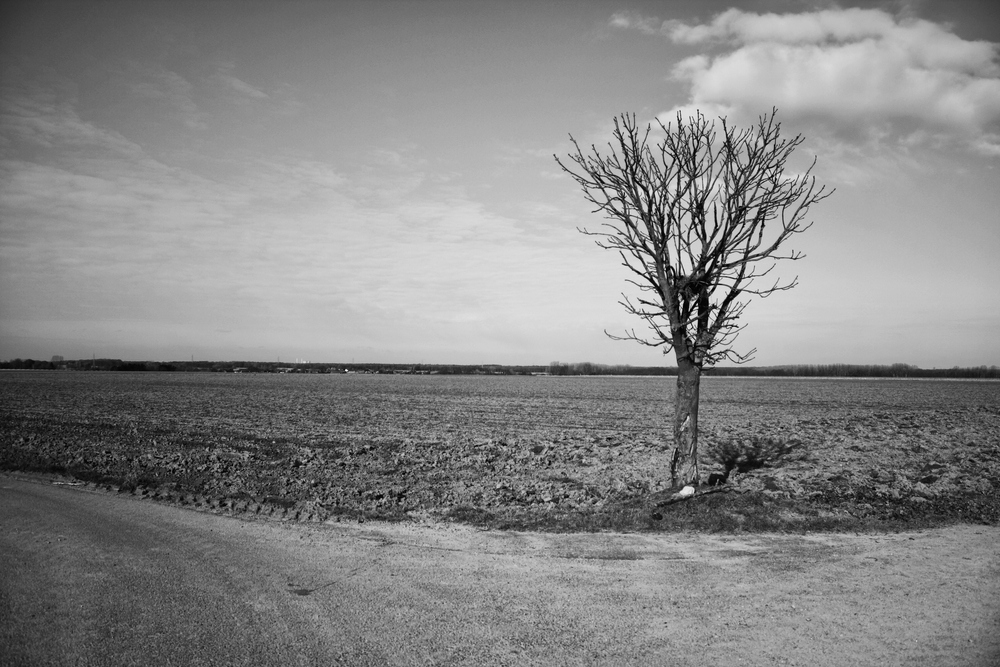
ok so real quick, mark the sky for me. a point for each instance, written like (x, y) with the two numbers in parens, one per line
(374, 181)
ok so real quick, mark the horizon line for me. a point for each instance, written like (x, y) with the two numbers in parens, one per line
(299, 362)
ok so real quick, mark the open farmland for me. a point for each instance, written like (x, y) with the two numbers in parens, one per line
(545, 452)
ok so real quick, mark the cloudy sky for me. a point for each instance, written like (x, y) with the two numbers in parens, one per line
(374, 181)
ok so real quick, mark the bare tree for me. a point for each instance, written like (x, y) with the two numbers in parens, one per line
(699, 218)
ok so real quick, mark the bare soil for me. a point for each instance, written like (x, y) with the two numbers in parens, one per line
(514, 452)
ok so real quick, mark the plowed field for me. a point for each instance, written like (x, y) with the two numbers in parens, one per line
(548, 452)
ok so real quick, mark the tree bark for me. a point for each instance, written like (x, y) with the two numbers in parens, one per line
(684, 465)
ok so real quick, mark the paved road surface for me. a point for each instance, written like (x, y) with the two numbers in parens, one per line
(92, 578)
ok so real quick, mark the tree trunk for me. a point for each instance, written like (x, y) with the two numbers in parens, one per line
(684, 465)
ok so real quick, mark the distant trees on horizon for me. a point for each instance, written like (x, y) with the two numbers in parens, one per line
(553, 369)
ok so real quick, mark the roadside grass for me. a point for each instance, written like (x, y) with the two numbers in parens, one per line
(713, 511)
(731, 512)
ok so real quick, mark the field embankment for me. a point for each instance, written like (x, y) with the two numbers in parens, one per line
(515, 452)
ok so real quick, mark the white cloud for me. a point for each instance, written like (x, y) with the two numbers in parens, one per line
(860, 73)
(634, 21)
(739, 26)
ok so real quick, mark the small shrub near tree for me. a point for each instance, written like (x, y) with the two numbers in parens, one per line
(747, 453)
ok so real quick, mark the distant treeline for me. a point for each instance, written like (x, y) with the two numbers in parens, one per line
(555, 368)
(88, 365)
(860, 371)
(800, 370)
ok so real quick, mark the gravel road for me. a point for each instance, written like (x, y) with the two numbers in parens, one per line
(93, 578)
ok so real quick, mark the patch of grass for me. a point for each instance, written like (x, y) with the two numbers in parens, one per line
(134, 482)
(389, 514)
(279, 501)
(33, 466)
(95, 476)
(467, 514)
(752, 512)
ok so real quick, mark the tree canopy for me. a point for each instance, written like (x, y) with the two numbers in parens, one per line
(699, 218)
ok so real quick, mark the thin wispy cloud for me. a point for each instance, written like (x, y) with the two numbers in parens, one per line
(225, 78)
(388, 242)
(162, 88)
